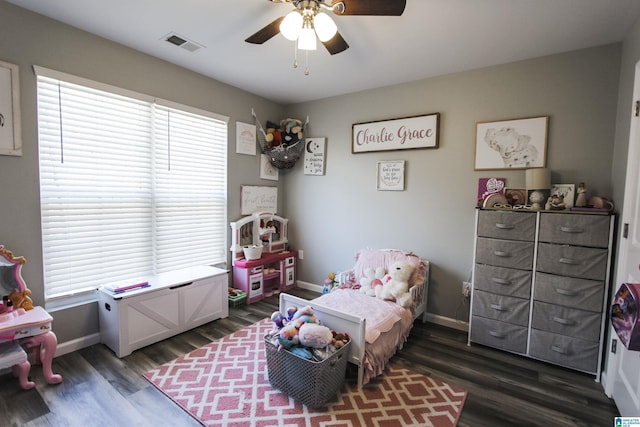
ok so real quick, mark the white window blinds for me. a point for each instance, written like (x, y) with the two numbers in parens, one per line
(128, 187)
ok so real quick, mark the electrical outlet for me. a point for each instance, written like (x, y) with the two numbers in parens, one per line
(300, 254)
(466, 289)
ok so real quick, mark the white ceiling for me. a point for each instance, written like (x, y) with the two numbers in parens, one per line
(432, 37)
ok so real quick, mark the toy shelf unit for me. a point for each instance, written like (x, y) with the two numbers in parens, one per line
(260, 229)
(272, 268)
(169, 303)
(270, 274)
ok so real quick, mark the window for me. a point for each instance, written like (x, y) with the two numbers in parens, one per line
(129, 186)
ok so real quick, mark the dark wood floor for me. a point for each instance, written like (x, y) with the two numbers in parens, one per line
(99, 389)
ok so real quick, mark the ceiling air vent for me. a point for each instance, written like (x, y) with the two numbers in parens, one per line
(182, 42)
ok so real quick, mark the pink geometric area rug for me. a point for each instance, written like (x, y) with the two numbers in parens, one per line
(225, 383)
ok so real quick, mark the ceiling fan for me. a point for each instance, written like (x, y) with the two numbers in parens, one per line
(309, 20)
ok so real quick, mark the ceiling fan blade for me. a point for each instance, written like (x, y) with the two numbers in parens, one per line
(371, 7)
(336, 44)
(265, 33)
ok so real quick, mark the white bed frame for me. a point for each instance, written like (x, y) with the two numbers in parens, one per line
(353, 325)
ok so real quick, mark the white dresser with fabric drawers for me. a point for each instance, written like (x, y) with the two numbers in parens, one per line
(540, 285)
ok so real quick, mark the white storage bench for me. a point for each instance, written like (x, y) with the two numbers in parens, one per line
(173, 303)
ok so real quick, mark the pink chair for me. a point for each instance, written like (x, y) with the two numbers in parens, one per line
(12, 355)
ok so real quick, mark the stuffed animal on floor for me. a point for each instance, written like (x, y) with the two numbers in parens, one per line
(397, 288)
(371, 280)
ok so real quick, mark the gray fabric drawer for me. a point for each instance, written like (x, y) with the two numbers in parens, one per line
(500, 307)
(502, 280)
(573, 229)
(571, 292)
(499, 334)
(574, 261)
(571, 352)
(571, 322)
(505, 253)
(507, 225)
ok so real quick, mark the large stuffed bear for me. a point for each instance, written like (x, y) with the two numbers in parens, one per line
(396, 286)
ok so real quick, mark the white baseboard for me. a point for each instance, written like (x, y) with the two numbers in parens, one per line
(460, 325)
(309, 286)
(77, 344)
(89, 340)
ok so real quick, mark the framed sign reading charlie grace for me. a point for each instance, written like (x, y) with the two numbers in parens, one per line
(396, 134)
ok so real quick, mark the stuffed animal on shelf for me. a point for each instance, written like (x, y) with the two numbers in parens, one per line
(314, 335)
(397, 287)
(372, 279)
(291, 131)
(273, 135)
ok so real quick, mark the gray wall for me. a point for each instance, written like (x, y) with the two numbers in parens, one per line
(334, 215)
(28, 39)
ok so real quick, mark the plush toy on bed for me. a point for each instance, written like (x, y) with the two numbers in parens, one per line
(372, 279)
(397, 287)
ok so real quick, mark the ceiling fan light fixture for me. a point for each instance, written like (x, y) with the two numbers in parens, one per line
(307, 39)
(291, 25)
(324, 26)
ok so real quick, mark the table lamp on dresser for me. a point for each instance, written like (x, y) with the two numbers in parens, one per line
(538, 180)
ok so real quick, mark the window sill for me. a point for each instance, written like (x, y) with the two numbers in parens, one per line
(70, 301)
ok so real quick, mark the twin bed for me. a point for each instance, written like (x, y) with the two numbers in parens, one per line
(377, 328)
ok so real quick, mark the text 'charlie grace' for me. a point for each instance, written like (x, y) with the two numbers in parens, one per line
(384, 135)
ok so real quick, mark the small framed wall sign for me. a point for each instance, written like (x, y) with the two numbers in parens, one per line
(267, 170)
(258, 199)
(390, 175)
(314, 156)
(245, 138)
(10, 131)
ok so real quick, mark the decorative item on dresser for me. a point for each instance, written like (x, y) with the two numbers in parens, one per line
(538, 182)
(540, 285)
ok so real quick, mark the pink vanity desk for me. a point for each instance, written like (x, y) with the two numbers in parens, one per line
(32, 329)
(23, 326)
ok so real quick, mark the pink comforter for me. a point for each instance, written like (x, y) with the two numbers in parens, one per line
(387, 327)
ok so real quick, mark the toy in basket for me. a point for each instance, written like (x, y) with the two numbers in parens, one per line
(282, 143)
(237, 297)
(306, 360)
(309, 382)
